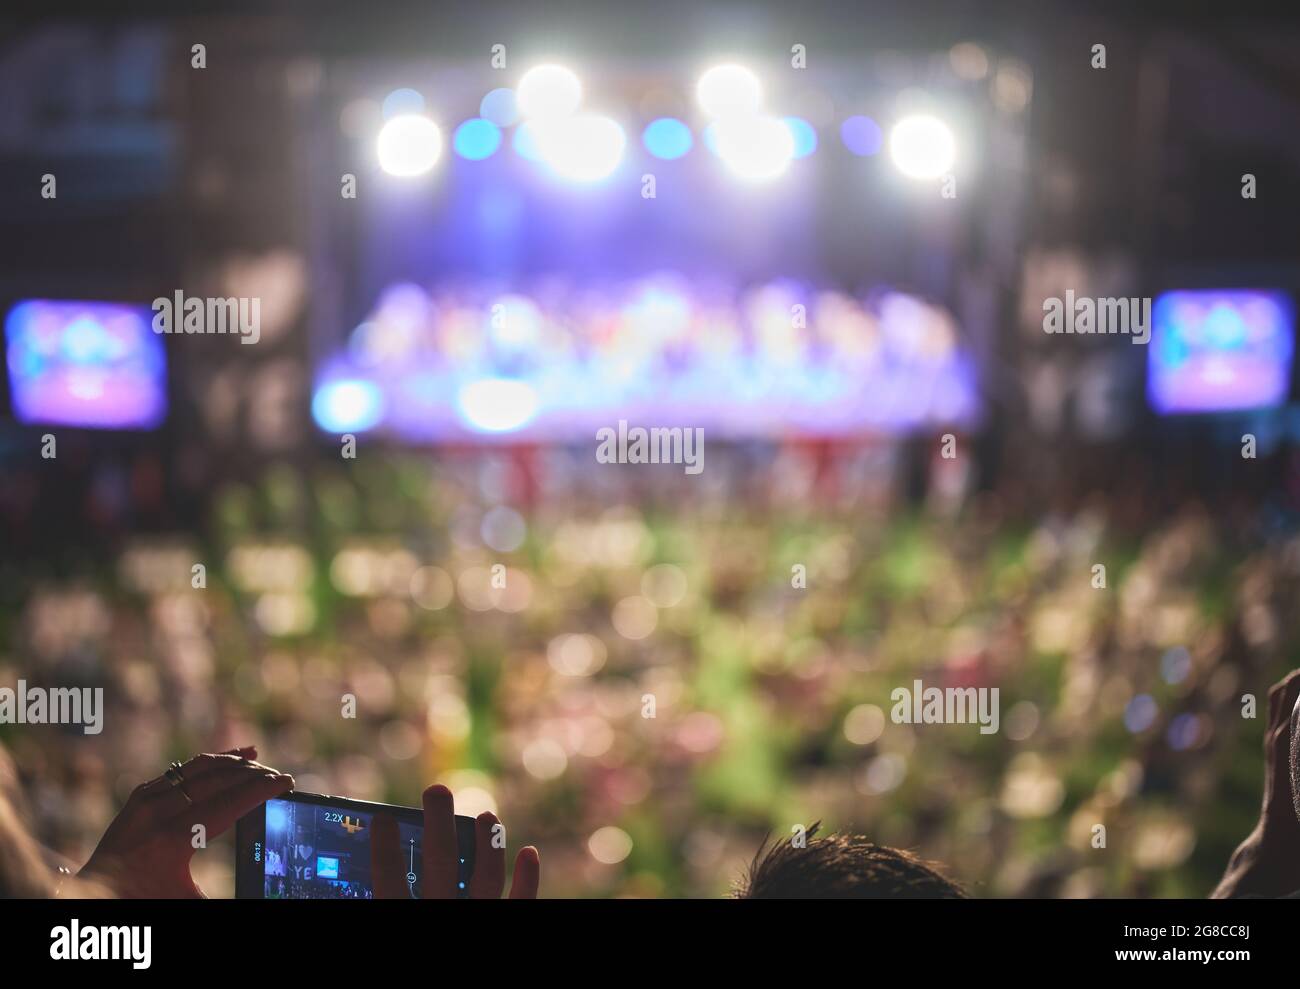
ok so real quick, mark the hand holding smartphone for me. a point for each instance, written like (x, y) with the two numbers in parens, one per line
(312, 846)
(315, 846)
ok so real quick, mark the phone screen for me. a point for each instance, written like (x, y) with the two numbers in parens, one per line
(311, 847)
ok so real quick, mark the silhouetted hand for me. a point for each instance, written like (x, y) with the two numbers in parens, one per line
(441, 856)
(147, 849)
(1267, 863)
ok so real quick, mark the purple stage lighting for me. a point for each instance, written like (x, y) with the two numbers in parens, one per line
(556, 362)
(862, 136)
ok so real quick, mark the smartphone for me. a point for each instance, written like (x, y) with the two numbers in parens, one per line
(313, 846)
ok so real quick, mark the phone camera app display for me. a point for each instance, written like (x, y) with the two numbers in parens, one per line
(315, 852)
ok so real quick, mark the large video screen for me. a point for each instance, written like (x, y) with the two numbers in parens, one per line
(96, 365)
(1220, 350)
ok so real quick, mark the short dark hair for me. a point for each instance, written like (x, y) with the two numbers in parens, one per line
(841, 867)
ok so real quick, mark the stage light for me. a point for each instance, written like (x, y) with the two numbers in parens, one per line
(667, 138)
(402, 101)
(861, 135)
(710, 138)
(347, 406)
(409, 145)
(803, 134)
(585, 148)
(1012, 86)
(729, 90)
(496, 405)
(968, 61)
(516, 323)
(922, 147)
(525, 142)
(476, 139)
(499, 106)
(754, 148)
(547, 92)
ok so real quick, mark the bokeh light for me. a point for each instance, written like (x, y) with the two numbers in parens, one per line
(584, 148)
(922, 147)
(756, 149)
(729, 90)
(476, 139)
(667, 138)
(803, 134)
(401, 102)
(409, 145)
(862, 136)
(500, 107)
(547, 92)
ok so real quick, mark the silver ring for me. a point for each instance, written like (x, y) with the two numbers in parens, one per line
(177, 778)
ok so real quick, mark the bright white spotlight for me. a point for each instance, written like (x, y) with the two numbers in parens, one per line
(585, 148)
(496, 405)
(729, 90)
(755, 148)
(922, 147)
(409, 144)
(547, 92)
(347, 406)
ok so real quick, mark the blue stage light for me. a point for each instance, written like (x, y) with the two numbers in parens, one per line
(805, 137)
(667, 138)
(710, 138)
(499, 107)
(347, 406)
(477, 139)
(402, 101)
(525, 143)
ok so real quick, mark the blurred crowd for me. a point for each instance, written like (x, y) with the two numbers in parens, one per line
(644, 688)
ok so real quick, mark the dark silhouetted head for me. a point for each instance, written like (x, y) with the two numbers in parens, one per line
(842, 867)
